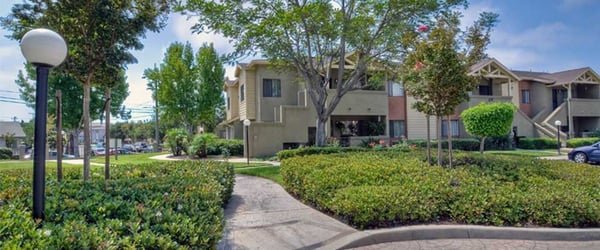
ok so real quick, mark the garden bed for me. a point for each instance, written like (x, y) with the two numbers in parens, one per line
(390, 188)
(163, 205)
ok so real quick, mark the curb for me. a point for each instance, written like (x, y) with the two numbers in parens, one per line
(433, 232)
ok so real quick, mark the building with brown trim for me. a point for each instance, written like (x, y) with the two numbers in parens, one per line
(282, 115)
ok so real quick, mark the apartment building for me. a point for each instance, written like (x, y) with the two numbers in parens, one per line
(282, 115)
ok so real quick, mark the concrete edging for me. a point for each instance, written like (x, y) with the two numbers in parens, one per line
(432, 232)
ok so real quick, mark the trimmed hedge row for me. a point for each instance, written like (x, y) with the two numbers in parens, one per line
(174, 205)
(578, 142)
(288, 153)
(5, 153)
(470, 144)
(233, 146)
(537, 143)
(379, 189)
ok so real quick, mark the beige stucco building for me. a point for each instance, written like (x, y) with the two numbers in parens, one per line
(282, 115)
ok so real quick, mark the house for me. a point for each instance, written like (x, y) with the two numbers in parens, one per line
(14, 130)
(282, 115)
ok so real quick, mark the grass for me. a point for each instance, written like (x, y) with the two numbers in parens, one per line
(128, 158)
(269, 172)
(13, 164)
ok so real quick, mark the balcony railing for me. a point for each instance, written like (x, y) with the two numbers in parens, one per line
(585, 107)
(476, 99)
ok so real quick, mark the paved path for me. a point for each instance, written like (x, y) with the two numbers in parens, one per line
(261, 215)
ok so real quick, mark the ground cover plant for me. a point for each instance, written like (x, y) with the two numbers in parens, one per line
(390, 188)
(161, 205)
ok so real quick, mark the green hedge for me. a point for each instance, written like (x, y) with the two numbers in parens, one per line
(383, 188)
(170, 205)
(232, 146)
(578, 142)
(284, 154)
(5, 153)
(470, 144)
(537, 143)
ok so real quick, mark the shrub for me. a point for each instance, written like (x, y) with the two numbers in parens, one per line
(284, 154)
(578, 142)
(177, 141)
(232, 146)
(201, 143)
(388, 188)
(161, 205)
(5, 153)
(537, 143)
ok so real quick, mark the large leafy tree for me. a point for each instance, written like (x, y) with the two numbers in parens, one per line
(188, 87)
(312, 36)
(99, 34)
(488, 119)
(436, 70)
(211, 73)
(178, 91)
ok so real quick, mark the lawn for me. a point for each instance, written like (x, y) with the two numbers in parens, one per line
(268, 172)
(12, 164)
(128, 158)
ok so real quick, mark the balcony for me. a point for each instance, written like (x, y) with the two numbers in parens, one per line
(476, 99)
(585, 107)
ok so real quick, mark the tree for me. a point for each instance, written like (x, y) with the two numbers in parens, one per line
(99, 33)
(211, 74)
(314, 37)
(436, 70)
(488, 119)
(72, 114)
(188, 88)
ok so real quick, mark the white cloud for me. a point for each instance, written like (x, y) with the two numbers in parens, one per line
(541, 37)
(515, 58)
(471, 14)
(182, 28)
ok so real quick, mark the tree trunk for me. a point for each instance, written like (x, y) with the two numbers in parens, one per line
(87, 148)
(449, 129)
(428, 139)
(59, 142)
(438, 125)
(321, 135)
(107, 137)
(482, 145)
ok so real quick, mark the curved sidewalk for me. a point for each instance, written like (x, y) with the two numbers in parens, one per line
(262, 215)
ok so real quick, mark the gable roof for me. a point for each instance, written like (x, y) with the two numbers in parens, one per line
(11, 128)
(580, 75)
(491, 67)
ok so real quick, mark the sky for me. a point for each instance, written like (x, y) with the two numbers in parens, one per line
(536, 35)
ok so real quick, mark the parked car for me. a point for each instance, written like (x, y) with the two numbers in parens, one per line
(586, 153)
(53, 154)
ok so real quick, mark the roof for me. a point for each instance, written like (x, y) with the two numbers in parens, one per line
(557, 78)
(11, 128)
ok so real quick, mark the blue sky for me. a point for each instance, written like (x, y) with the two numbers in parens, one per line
(538, 35)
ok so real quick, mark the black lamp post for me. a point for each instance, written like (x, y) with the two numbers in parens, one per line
(44, 49)
(247, 126)
(557, 123)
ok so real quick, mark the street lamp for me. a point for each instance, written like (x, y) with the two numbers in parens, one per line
(247, 125)
(45, 49)
(557, 123)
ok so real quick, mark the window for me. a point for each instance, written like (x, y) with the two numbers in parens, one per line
(453, 127)
(397, 128)
(485, 90)
(525, 96)
(395, 89)
(228, 103)
(242, 93)
(271, 88)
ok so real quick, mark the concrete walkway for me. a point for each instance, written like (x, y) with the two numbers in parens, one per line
(261, 215)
